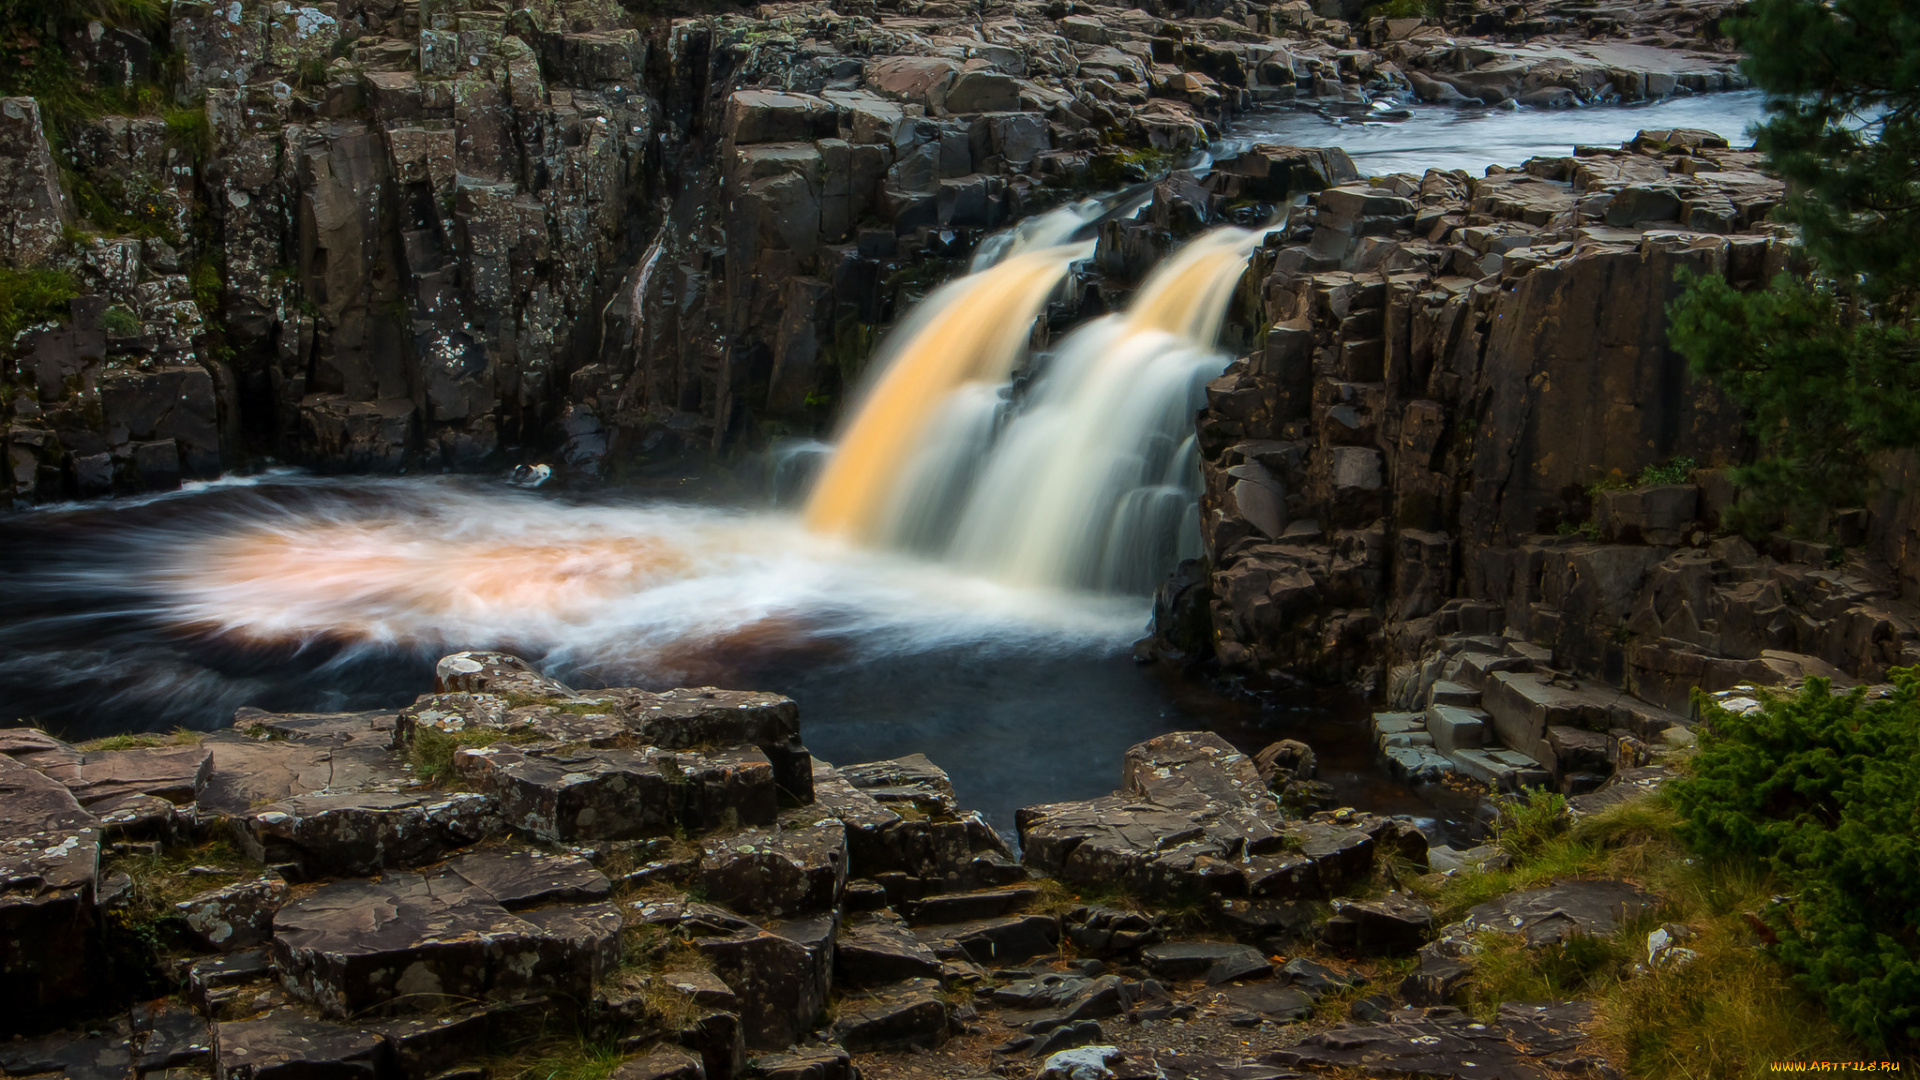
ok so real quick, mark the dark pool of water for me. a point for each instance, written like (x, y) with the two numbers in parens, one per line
(93, 641)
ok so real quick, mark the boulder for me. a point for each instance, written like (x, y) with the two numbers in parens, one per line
(909, 1014)
(569, 795)
(798, 866)
(408, 943)
(49, 863)
(1393, 925)
(236, 916)
(767, 116)
(782, 976)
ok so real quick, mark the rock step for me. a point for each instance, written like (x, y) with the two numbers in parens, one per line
(970, 906)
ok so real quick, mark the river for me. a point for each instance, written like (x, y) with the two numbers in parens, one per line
(298, 593)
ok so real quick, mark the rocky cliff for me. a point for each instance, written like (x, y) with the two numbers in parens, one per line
(375, 236)
(1464, 418)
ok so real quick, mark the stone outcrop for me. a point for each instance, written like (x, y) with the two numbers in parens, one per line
(1423, 405)
(872, 916)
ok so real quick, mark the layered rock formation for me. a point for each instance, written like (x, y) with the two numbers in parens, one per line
(1465, 416)
(510, 867)
(386, 236)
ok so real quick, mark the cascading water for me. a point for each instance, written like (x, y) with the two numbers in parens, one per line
(1092, 483)
(967, 331)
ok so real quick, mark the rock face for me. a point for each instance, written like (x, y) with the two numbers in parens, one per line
(1411, 483)
(391, 239)
(50, 857)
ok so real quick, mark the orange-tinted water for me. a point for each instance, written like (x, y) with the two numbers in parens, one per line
(970, 330)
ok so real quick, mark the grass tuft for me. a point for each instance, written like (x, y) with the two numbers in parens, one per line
(1729, 1013)
(142, 741)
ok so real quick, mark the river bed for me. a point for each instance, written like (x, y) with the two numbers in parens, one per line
(1472, 138)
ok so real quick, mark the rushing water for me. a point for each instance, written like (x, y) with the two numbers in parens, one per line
(296, 593)
(965, 582)
(1090, 480)
(1447, 137)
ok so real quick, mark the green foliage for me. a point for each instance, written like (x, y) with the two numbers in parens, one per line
(1128, 166)
(142, 741)
(311, 73)
(1405, 9)
(119, 321)
(1826, 370)
(29, 296)
(431, 750)
(1843, 129)
(1677, 470)
(1820, 789)
(1825, 386)
(1529, 820)
(203, 278)
(189, 130)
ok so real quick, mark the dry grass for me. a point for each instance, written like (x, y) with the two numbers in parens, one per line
(1728, 1013)
(143, 741)
(561, 1059)
(430, 753)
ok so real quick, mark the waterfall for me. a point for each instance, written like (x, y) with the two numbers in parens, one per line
(1090, 484)
(969, 331)
(1090, 481)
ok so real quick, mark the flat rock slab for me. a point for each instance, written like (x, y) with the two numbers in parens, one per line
(663, 1063)
(250, 772)
(909, 1014)
(294, 1047)
(1553, 914)
(879, 949)
(173, 773)
(408, 943)
(616, 794)
(1217, 962)
(100, 1057)
(375, 726)
(971, 904)
(356, 833)
(1276, 1002)
(1526, 1042)
(524, 879)
(994, 942)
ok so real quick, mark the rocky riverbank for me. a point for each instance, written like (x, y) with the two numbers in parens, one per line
(1460, 419)
(510, 872)
(373, 237)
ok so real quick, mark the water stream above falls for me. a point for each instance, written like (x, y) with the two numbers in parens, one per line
(1446, 137)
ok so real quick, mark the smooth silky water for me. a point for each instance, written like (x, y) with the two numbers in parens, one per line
(963, 580)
